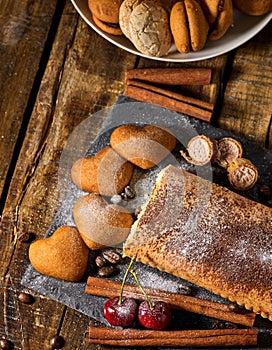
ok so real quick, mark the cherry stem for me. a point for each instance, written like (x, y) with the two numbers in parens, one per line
(142, 289)
(124, 280)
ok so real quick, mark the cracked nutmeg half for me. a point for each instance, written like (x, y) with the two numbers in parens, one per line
(201, 150)
(242, 174)
(229, 149)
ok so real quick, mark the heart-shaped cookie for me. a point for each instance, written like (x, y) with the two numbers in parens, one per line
(63, 255)
(144, 146)
(101, 224)
(106, 173)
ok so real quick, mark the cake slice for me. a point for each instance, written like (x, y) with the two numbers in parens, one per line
(208, 235)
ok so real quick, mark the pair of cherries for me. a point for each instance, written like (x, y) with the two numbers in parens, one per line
(122, 311)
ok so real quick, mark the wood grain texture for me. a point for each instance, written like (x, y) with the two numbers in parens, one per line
(24, 325)
(24, 30)
(247, 106)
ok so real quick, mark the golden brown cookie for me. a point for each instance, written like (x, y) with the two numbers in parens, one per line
(220, 16)
(149, 28)
(210, 9)
(106, 15)
(63, 255)
(198, 24)
(101, 224)
(144, 146)
(189, 26)
(106, 173)
(253, 7)
(179, 27)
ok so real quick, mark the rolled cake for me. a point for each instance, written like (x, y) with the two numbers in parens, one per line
(208, 235)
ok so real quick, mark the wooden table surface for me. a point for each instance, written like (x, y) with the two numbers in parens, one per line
(55, 72)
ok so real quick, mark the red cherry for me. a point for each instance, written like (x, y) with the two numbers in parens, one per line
(120, 314)
(156, 317)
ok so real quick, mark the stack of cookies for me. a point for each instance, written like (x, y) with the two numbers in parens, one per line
(154, 25)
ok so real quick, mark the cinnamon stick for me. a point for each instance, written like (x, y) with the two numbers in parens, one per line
(170, 100)
(192, 338)
(180, 97)
(109, 289)
(171, 76)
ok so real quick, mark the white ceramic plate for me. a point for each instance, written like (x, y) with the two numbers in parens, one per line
(244, 28)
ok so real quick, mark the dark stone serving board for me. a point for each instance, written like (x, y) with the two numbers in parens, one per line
(128, 111)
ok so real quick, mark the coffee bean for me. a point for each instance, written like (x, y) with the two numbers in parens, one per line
(25, 298)
(124, 196)
(5, 344)
(107, 271)
(100, 261)
(184, 290)
(129, 192)
(265, 190)
(57, 342)
(25, 236)
(111, 256)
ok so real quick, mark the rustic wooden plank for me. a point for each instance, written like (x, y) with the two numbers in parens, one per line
(24, 31)
(26, 325)
(247, 107)
(69, 93)
(35, 140)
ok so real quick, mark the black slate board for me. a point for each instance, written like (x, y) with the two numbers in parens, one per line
(128, 111)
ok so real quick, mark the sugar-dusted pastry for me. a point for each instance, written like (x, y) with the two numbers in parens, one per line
(189, 26)
(128, 6)
(99, 223)
(208, 235)
(149, 28)
(63, 255)
(144, 146)
(106, 173)
(125, 11)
